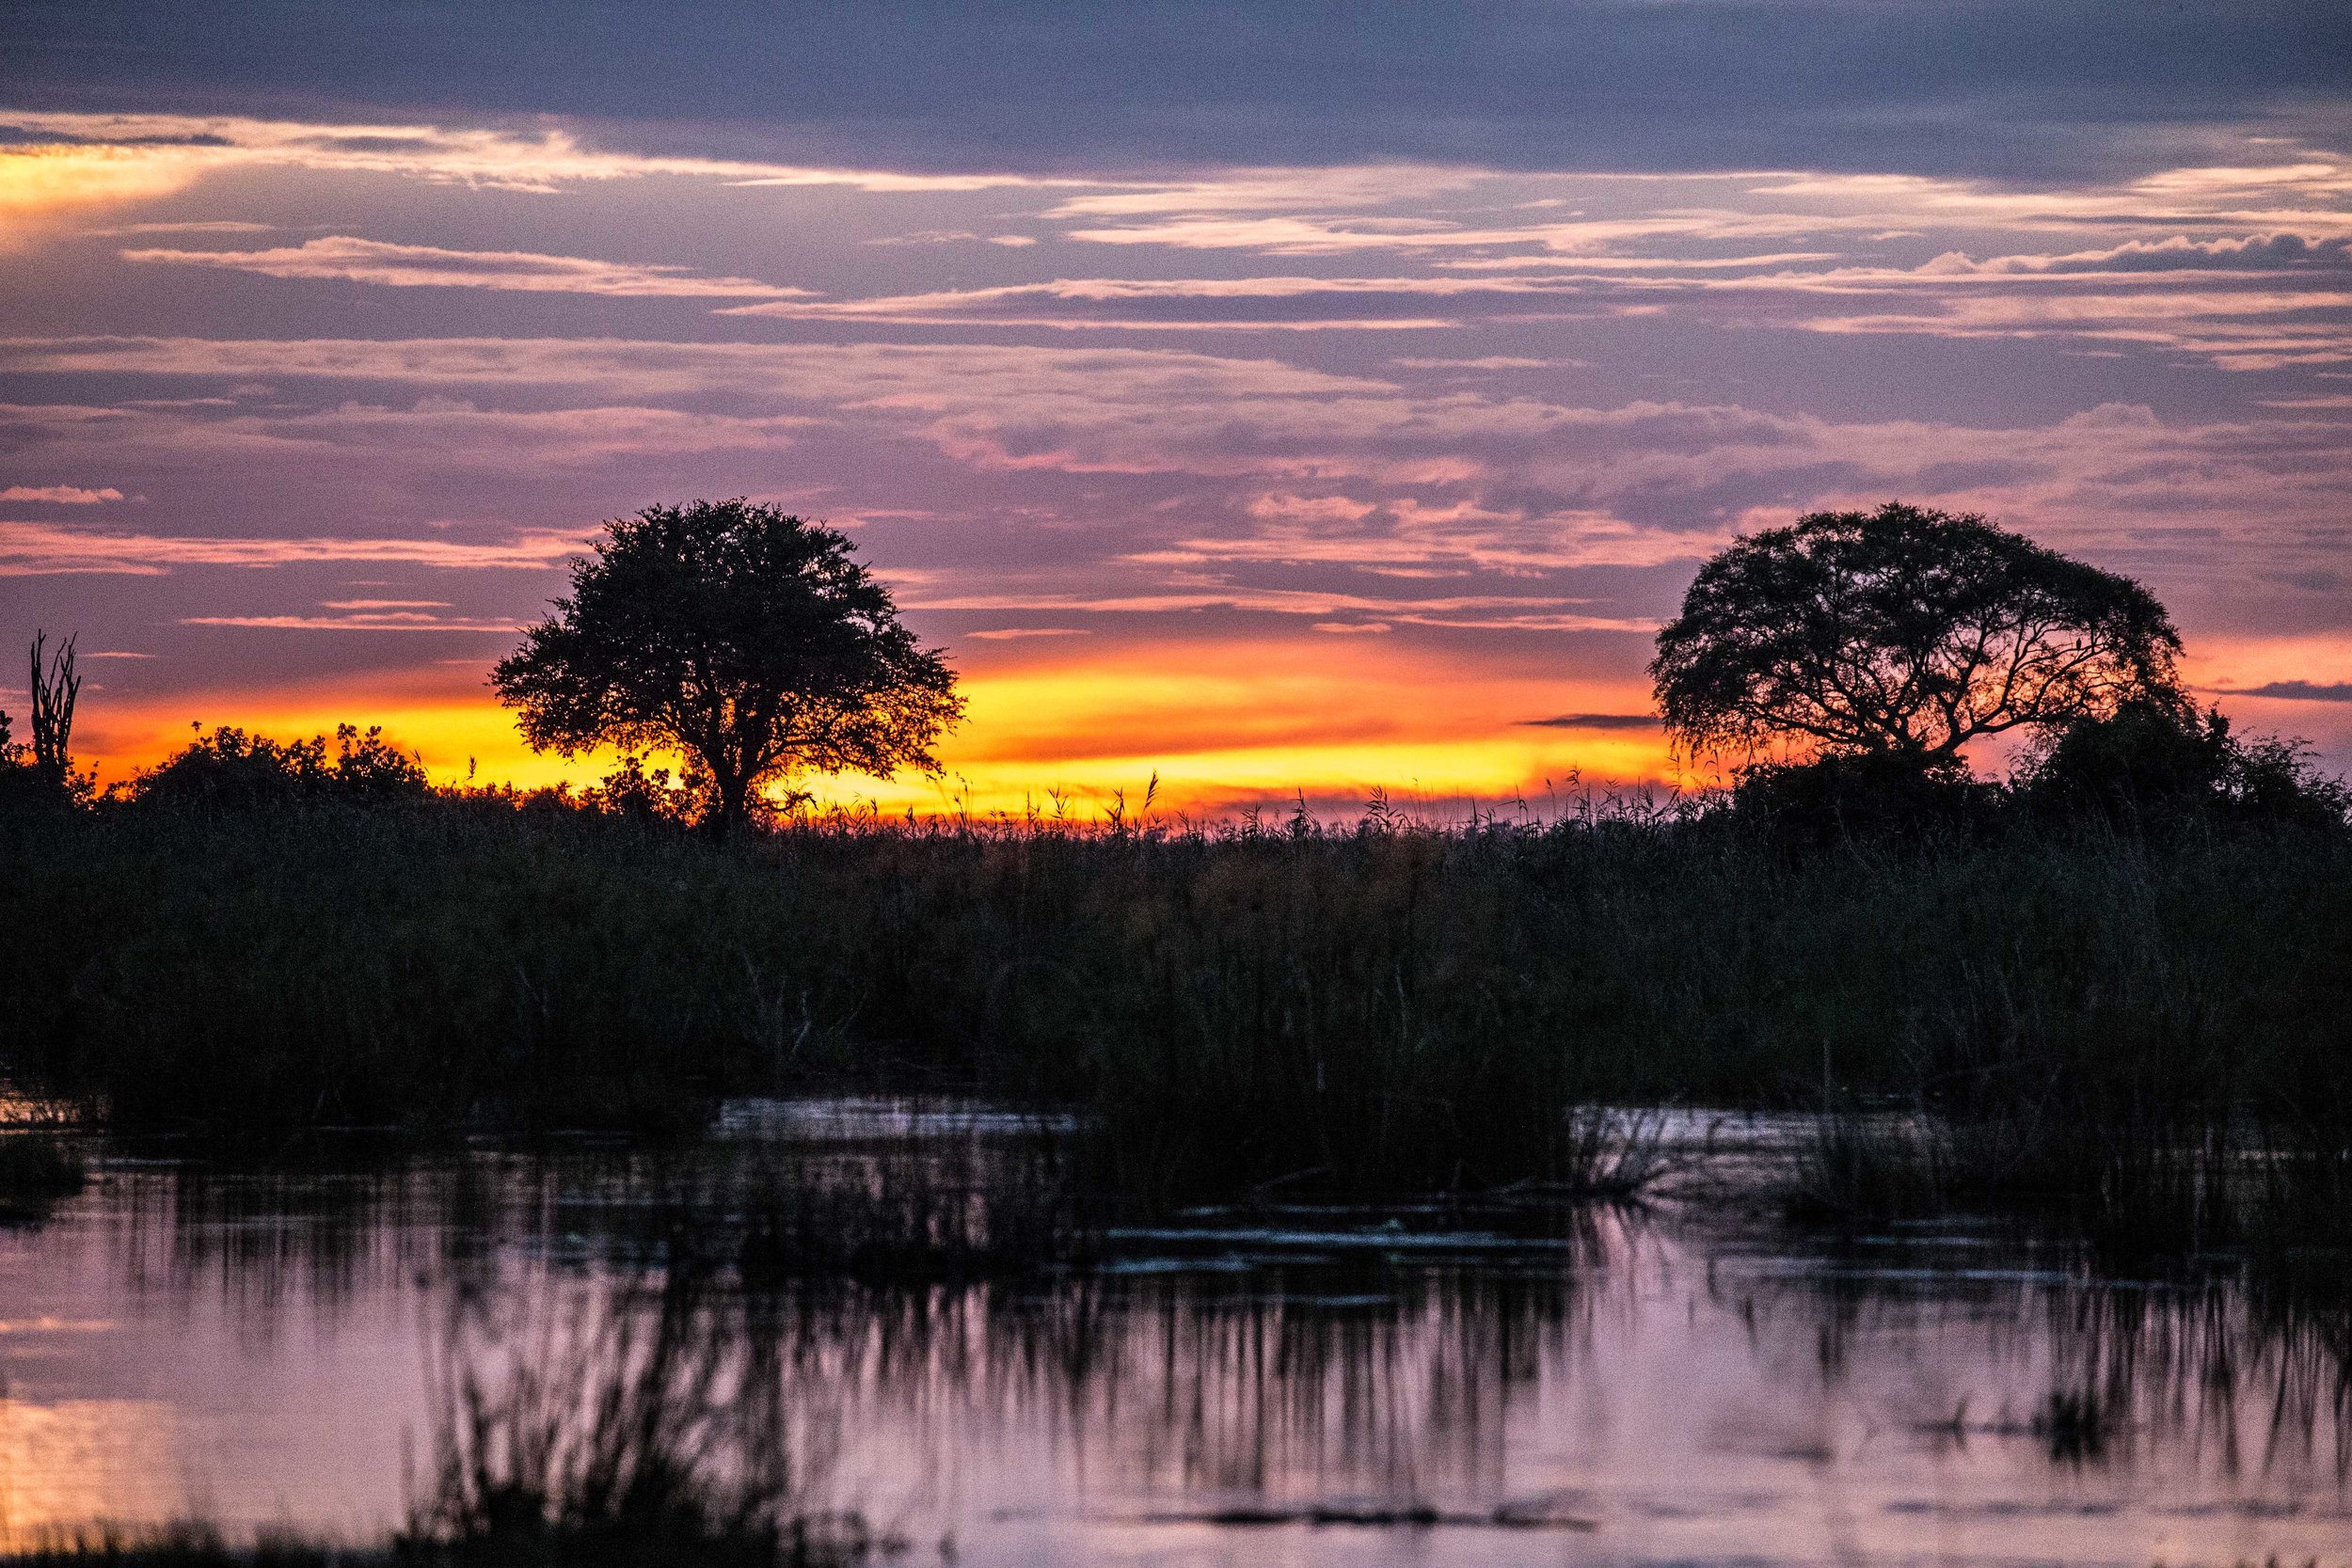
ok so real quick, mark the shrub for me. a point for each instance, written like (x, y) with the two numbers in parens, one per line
(1871, 795)
(229, 768)
(2154, 761)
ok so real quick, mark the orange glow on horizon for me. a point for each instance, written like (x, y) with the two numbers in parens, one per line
(1221, 725)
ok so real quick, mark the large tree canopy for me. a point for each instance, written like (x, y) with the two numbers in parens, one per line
(746, 638)
(1904, 631)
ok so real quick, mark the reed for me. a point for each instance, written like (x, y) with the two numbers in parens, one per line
(1389, 1006)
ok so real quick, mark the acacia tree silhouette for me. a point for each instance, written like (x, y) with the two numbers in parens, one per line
(744, 637)
(1904, 633)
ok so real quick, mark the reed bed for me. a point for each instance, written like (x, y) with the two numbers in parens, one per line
(1389, 1006)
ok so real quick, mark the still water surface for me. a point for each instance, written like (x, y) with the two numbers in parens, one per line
(1691, 1382)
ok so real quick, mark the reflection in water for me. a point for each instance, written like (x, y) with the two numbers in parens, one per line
(267, 1351)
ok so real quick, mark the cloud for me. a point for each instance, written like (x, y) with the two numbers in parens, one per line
(1272, 190)
(1595, 721)
(1316, 436)
(37, 550)
(1490, 362)
(170, 150)
(1010, 634)
(384, 604)
(182, 226)
(1503, 612)
(2244, 300)
(1070, 480)
(59, 494)
(386, 621)
(2050, 89)
(2256, 253)
(2337, 691)
(345, 258)
(1170, 302)
(2186, 324)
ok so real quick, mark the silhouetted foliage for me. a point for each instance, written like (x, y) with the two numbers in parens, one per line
(2157, 760)
(1906, 632)
(741, 636)
(644, 795)
(1862, 795)
(229, 768)
(18, 784)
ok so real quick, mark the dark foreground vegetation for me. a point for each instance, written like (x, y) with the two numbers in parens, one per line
(1382, 1005)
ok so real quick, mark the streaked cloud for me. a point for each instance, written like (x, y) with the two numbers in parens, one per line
(1595, 721)
(1295, 466)
(38, 549)
(163, 151)
(2307, 691)
(355, 621)
(61, 495)
(346, 259)
(2050, 90)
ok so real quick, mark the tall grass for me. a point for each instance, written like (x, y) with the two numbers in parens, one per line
(1391, 1007)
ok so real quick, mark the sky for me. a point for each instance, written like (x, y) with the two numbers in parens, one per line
(1274, 398)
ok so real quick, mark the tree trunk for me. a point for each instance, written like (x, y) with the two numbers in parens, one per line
(730, 814)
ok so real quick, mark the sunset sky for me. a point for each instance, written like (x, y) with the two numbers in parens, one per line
(1271, 396)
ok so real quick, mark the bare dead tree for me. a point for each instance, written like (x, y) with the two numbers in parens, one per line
(55, 691)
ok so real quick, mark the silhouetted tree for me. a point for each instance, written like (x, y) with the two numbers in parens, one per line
(743, 637)
(56, 690)
(233, 770)
(1904, 633)
(42, 773)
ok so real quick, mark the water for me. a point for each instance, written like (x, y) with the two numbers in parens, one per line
(1517, 1383)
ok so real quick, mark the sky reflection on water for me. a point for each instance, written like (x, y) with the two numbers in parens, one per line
(1607, 1387)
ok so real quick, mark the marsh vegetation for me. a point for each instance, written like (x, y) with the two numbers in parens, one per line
(2071, 1007)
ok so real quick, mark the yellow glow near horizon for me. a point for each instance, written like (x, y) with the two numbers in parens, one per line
(1218, 724)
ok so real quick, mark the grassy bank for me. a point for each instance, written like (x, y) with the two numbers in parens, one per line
(1372, 1009)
